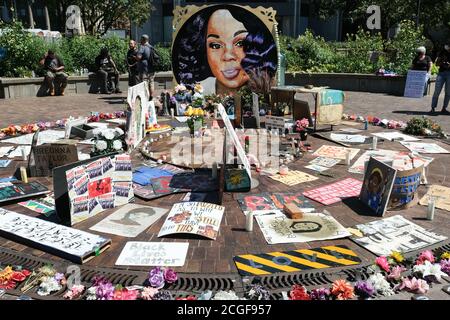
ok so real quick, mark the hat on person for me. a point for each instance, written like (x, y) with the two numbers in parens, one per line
(421, 49)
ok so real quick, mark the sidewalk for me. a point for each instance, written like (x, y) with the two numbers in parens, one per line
(26, 110)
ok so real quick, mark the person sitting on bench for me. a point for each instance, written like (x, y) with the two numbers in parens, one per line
(54, 67)
(106, 68)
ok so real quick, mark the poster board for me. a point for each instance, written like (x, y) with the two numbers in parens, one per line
(193, 61)
(422, 147)
(139, 108)
(277, 228)
(195, 218)
(129, 220)
(71, 244)
(335, 152)
(330, 107)
(137, 253)
(394, 234)
(415, 83)
(377, 186)
(404, 191)
(334, 192)
(10, 191)
(442, 195)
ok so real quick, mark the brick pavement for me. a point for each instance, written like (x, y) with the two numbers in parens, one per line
(18, 111)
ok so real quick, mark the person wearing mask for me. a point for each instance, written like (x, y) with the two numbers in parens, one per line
(133, 75)
(422, 62)
(443, 79)
(146, 68)
(106, 68)
(54, 67)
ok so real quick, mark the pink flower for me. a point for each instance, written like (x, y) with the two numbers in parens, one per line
(414, 285)
(148, 293)
(396, 273)
(383, 263)
(426, 255)
(170, 276)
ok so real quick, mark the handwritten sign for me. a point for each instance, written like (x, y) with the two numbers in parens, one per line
(75, 245)
(49, 156)
(415, 84)
(198, 218)
(137, 253)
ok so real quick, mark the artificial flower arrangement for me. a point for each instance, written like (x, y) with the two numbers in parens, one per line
(107, 141)
(196, 119)
(47, 279)
(11, 277)
(390, 124)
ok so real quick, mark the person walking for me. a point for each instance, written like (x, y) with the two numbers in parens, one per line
(54, 67)
(443, 79)
(106, 68)
(133, 75)
(422, 62)
(147, 58)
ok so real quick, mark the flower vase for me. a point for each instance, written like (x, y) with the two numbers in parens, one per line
(303, 135)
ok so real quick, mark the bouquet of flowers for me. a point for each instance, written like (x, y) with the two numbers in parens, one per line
(107, 141)
(301, 125)
(196, 118)
(181, 93)
(198, 99)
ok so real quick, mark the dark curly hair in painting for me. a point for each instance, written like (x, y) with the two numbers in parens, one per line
(189, 60)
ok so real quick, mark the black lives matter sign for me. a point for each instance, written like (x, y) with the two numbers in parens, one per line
(49, 156)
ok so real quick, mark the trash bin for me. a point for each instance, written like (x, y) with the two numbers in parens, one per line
(282, 70)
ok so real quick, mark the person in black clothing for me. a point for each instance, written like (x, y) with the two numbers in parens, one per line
(443, 78)
(106, 68)
(422, 62)
(133, 74)
(54, 67)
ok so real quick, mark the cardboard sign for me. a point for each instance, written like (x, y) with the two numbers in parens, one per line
(19, 190)
(197, 218)
(162, 254)
(335, 152)
(404, 191)
(49, 156)
(442, 195)
(293, 177)
(333, 193)
(415, 83)
(296, 260)
(72, 244)
(395, 135)
(273, 122)
(129, 220)
(394, 234)
(422, 147)
(377, 186)
(277, 228)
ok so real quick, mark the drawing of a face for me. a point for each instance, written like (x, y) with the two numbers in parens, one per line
(224, 48)
(305, 226)
(180, 217)
(375, 181)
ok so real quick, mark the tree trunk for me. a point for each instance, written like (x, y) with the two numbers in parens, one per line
(30, 15)
(47, 18)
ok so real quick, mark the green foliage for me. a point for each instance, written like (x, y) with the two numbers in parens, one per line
(165, 58)
(423, 126)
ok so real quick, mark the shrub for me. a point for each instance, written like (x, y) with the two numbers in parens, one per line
(165, 58)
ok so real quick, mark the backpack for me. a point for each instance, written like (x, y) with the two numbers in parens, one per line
(154, 57)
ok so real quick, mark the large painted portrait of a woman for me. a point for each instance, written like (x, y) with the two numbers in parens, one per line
(222, 46)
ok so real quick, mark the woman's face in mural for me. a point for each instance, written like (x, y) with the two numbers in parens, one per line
(224, 48)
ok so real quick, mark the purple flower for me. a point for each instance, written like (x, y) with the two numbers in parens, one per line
(59, 277)
(156, 278)
(364, 289)
(320, 294)
(105, 291)
(170, 276)
(97, 280)
(445, 266)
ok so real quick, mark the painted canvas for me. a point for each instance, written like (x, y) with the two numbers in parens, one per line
(333, 193)
(377, 186)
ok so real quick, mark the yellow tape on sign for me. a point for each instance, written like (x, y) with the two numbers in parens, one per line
(296, 260)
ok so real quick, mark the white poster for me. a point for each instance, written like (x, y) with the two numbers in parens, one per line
(164, 254)
(394, 234)
(139, 107)
(199, 218)
(415, 84)
(235, 139)
(46, 136)
(348, 138)
(278, 228)
(54, 236)
(421, 147)
(400, 160)
(130, 220)
(395, 135)
(325, 162)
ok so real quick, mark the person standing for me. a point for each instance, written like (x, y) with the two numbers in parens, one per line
(106, 68)
(422, 62)
(54, 67)
(443, 78)
(133, 75)
(146, 67)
